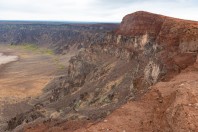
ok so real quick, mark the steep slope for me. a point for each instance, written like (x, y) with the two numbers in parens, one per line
(168, 106)
(147, 48)
(166, 30)
(59, 37)
(175, 37)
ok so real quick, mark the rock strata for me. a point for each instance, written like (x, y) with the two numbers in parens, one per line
(118, 67)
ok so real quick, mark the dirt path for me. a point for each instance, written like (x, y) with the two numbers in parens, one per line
(26, 78)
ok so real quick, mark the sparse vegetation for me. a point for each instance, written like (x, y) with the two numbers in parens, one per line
(48, 51)
(30, 47)
(34, 48)
(58, 63)
(61, 66)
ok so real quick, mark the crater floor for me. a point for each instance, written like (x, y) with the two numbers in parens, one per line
(25, 78)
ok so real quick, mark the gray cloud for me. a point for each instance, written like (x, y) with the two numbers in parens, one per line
(93, 10)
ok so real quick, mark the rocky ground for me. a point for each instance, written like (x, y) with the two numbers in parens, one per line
(144, 73)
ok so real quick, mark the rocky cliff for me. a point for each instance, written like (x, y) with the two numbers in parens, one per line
(176, 38)
(57, 36)
(145, 49)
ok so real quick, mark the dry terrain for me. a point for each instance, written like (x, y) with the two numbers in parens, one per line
(25, 78)
(147, 79)
(141, 77)
(168, 107)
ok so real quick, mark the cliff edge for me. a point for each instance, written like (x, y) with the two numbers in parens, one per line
(121, 66)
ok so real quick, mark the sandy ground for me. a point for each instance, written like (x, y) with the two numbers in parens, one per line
(25, 78)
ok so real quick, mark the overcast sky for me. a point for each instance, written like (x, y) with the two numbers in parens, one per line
(93, 10)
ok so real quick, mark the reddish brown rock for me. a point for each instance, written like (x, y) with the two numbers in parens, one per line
(140, 23)
(147, 48)
(177, 38)
(167, 30)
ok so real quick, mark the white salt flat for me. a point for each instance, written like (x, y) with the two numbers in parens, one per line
(7, 58)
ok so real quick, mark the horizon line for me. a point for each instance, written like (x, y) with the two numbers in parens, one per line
(61, 21)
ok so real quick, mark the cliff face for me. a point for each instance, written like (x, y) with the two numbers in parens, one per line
(59, 37)
(166, 30)
(167, 107)
(176, 38)
(120, 66)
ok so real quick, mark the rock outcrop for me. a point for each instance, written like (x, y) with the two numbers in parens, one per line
(176, 38)
(121, 66)
(167, 107)
(141, 23)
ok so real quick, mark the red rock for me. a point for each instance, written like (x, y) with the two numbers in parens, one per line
(166, 30)
(140, 23)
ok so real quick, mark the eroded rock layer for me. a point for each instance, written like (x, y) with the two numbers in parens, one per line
(145, 49)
